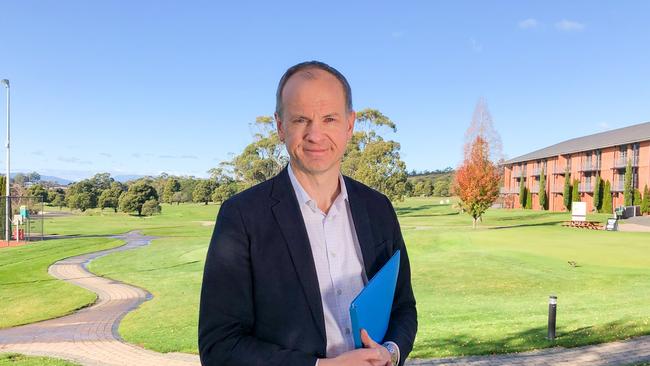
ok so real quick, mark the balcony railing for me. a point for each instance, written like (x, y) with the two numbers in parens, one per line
(590, 166)
(511, 190)
(586, 188)
(535, 188)
(559, 170)
(621, 162)
(536, 171)
(557, 188)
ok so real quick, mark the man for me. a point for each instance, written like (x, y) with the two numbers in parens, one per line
(287, 256)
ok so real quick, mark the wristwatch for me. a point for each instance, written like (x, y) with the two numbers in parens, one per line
(394, 352)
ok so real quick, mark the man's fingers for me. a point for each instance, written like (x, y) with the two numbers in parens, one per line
(367, 341)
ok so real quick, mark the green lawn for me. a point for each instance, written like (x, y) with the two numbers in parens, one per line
(479, 291)
(12, 359)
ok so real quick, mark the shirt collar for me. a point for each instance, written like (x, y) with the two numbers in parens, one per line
(303, 196)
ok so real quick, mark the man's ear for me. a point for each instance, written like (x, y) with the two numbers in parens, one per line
(278, 125)
(351, 117)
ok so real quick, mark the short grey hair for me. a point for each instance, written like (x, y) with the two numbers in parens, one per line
(304, 66)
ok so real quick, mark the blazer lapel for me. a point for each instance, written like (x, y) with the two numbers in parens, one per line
(362, 226)
(287, 214)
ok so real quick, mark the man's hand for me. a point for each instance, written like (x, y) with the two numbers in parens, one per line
(373, 354)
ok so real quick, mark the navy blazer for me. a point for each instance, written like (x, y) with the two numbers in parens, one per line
(260, 299)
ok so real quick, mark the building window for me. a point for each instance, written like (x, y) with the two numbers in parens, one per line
(620, 180)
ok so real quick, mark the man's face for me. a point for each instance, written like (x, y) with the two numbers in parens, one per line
(315, 125)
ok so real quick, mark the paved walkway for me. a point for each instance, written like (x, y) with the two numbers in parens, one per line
(90, 336)
(628, 352)
(635, 224)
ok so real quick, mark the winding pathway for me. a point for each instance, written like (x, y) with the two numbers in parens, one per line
(90, 336)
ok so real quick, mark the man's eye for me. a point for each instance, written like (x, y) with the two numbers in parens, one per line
(299, 120)
(330, 119)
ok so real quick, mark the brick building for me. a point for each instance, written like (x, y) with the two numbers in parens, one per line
(603, 154)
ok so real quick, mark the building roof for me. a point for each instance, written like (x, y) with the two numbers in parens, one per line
(619, 136)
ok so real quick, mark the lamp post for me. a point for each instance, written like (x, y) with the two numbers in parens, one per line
(5, 82)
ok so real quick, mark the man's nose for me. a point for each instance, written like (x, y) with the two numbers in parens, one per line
(315, 131)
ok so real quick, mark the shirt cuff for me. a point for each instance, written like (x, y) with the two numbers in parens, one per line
(396, 348)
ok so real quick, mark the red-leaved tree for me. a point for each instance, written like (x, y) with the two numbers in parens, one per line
(476, 181)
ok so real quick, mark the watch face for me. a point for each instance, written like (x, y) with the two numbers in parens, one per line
(393, 353)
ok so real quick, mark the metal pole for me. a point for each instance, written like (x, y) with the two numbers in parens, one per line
(552, 309)
(7, 206)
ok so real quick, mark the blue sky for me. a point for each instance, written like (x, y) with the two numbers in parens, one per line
(150, 86)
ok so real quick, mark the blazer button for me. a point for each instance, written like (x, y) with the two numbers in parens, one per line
(320, 355)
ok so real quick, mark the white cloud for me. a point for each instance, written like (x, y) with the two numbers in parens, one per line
(569, 26)
(528, 23)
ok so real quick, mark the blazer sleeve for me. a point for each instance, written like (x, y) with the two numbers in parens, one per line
(226, 315)
(403, 323)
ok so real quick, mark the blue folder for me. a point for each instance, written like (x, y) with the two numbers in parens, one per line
(370, 310)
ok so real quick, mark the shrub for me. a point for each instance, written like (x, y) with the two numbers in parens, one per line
(567, 190)
(575, 192)
(607, 199)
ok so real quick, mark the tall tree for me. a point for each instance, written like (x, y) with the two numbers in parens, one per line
(575, 193)
(637, 198)
(203, 191)
(477, 181)
(542, 190)
(628, 193)
(529, 200)
(645, 202)
(138, 193)
(172, 185)
(263, 158)
(101, 182)
(81, 195)
(111, 197)
(483, 125)
(224, 191)
(567, 190)
(58, 200)
(607, 198)
(37, 190)
(522, 192)
(371, 159)
(598, 194)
